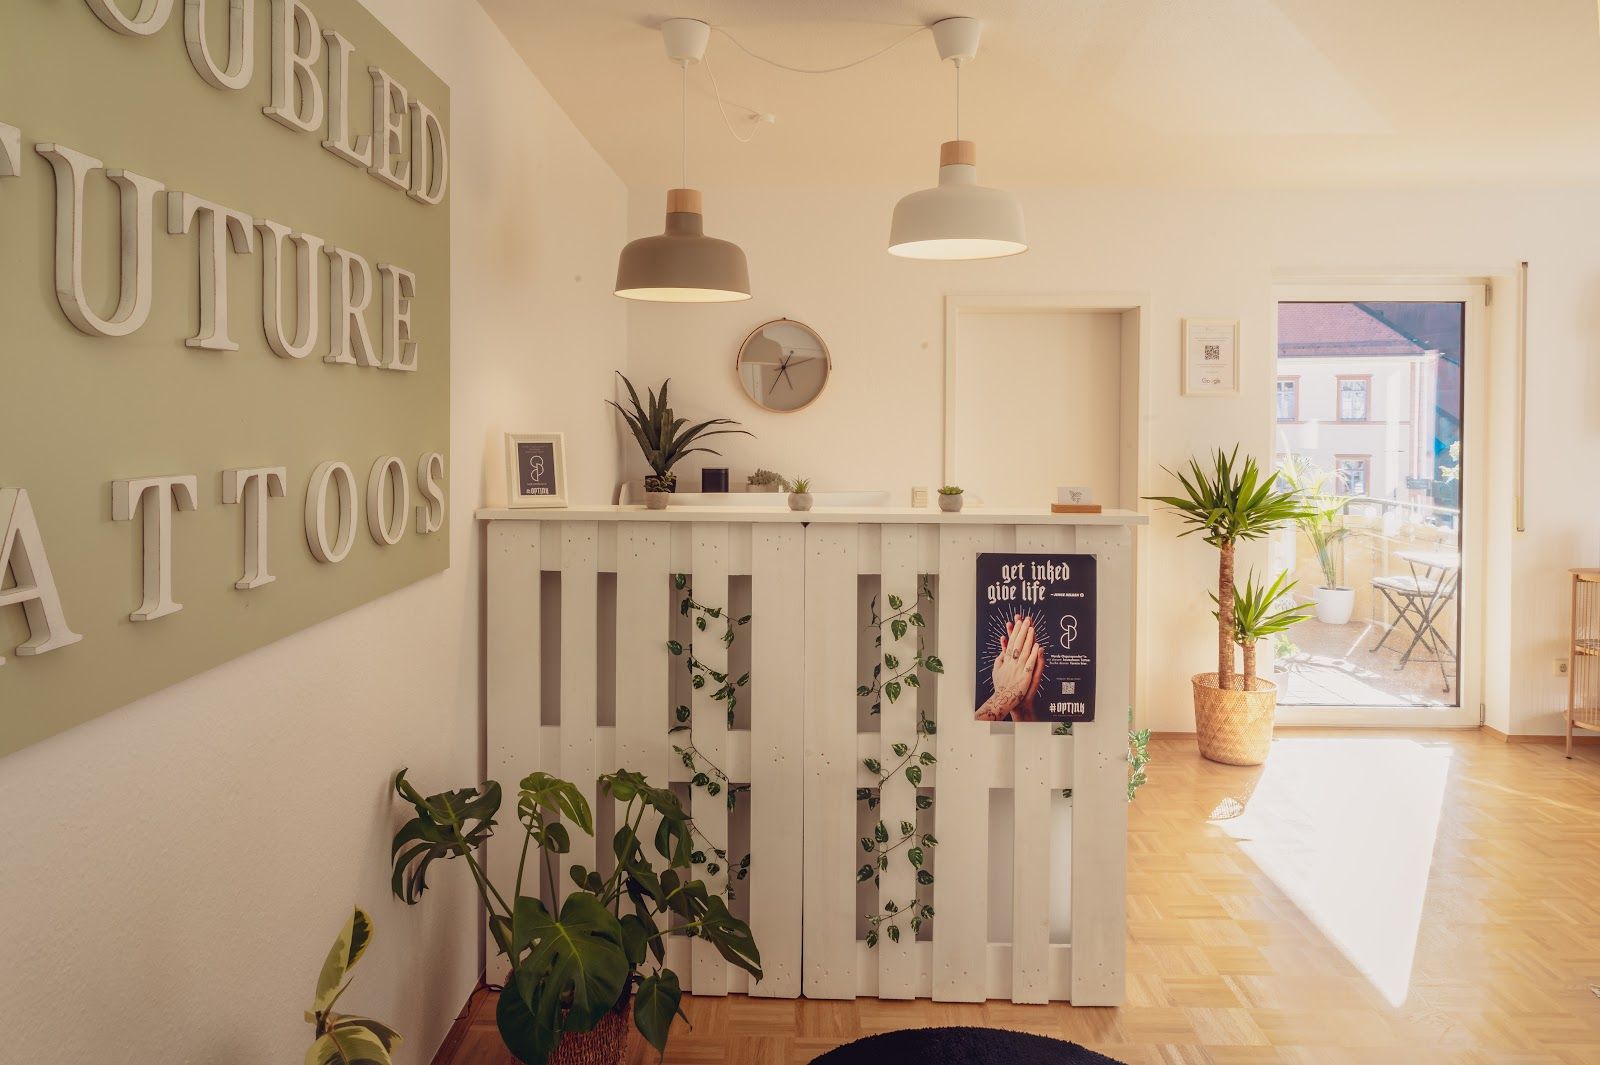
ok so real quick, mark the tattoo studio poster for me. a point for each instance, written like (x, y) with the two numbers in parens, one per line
(1036, 628)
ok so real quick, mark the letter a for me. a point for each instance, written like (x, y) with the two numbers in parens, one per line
(22, 552)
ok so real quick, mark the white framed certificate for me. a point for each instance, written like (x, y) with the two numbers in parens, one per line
(1210, 356)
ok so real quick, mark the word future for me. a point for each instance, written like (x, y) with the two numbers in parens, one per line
(330, 533)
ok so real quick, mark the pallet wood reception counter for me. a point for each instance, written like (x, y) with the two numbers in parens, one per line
(783, 671)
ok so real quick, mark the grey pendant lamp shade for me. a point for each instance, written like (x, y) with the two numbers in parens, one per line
(957, 218)
(681, 264)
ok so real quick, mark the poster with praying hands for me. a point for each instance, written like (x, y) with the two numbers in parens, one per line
(1036, 638)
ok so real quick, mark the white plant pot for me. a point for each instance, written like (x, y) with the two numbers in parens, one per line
(1334, 605)
(799, 500)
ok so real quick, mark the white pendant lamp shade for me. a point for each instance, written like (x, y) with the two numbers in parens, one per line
(682, 264)
(958, 218)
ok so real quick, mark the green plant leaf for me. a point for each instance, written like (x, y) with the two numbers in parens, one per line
(576, 968)
(933, 664)
(891, 690)
(348, 1046)
(914, 774)
(895, 602)
(347, 949)
(655, 1003)
(447, 825)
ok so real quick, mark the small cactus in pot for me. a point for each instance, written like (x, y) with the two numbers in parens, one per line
(800, 494)
(951, 498)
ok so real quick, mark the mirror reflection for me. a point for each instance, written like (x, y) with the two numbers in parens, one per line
(783, 365)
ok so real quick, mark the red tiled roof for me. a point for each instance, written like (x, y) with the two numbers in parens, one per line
(1330, 329)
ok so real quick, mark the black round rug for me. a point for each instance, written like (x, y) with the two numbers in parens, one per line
(961, 1046)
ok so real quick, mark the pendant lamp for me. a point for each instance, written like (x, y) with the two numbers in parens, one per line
(958, 218)
(682, 264)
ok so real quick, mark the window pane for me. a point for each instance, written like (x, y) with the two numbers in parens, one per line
(1352, 401)
(1288, 408)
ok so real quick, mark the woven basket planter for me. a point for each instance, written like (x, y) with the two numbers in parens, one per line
(605, 1044)
(1233, 727)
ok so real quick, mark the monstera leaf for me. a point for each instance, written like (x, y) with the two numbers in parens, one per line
(447, 825)
(654, 1006)
(575, 971)
(345, 1039)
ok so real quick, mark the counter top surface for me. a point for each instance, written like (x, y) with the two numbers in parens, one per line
(825, 515)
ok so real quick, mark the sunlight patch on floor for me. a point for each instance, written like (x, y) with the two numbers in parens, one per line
(1346, 827)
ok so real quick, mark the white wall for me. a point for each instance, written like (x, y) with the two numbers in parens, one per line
(817, 255)
(175, 870)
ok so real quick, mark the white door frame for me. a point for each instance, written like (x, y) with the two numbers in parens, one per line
(1475, 375)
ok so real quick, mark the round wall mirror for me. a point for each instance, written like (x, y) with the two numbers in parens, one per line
(783, 365)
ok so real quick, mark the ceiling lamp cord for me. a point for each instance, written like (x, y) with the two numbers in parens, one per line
(958, 99)
(819, 70)
(683, 125)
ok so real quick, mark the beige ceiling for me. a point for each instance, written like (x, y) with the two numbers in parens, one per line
(1089, 92)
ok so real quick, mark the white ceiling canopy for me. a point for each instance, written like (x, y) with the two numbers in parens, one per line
(1089, 92)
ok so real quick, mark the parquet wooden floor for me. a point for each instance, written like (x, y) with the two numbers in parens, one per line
(1366, 897)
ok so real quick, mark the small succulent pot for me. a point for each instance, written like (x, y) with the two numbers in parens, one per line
(799, 500)
(658, 489)
(950, 504)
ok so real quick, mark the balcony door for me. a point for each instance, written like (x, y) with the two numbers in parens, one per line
(1375, 408)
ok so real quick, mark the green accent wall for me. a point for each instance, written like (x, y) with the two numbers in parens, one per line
(78, 412)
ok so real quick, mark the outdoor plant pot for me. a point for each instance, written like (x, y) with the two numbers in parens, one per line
(1334, 605)
(950, 504)
(1233, 726)
(799, 500)
(605, 1044)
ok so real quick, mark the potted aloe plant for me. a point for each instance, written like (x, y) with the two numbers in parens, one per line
(800, 494)
(666, 439)
(1226, 503)
(579, 969)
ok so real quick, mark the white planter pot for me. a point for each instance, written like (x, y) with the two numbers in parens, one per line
(1334, 605)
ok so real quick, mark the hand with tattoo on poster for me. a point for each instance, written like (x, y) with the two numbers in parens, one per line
(1016, 673)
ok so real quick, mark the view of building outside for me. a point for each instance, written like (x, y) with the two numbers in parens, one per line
(1368, 409)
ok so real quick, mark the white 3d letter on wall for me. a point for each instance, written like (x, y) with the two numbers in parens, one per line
(317, 511)
(217, 223)
(430, 156)
(296, 47)
(358, 153)
(151, 16)
(306, 256)
(252, 487)
(34, 590)
(10, 151)
(430, 512)
(241, 43)
(389, 105)
(349, 295)
(158, 496)
(138, 222)
(387, 526)
(399, 289)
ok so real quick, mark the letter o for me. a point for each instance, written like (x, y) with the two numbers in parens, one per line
(387, 527)
(317, 511)
(151, 16)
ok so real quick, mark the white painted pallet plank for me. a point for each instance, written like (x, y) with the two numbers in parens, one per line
(897, 972)
(1100, 792)
(1030, 874)
(644, 617)
(961, 805)
(512, 670)
(775, 762)
(830, 747)
(708, 581)
(580, 593)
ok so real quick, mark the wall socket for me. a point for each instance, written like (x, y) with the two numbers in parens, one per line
(1561, 667)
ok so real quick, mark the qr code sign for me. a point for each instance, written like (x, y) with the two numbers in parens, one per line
(1213, 352)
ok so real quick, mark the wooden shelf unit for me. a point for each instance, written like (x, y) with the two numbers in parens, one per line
(1583, 666)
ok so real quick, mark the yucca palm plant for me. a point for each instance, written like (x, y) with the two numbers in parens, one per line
(1227, 503)
(1323, 521)
(666, 439)
(1256, 616)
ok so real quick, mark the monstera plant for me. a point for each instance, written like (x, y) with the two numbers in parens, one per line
(343, 1038)
(576, 967)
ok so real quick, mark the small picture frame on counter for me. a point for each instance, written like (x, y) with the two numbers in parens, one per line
(536, 470)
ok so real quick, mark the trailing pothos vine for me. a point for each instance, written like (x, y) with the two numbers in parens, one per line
(706, 774)
(890, 678)
(1138, 755)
